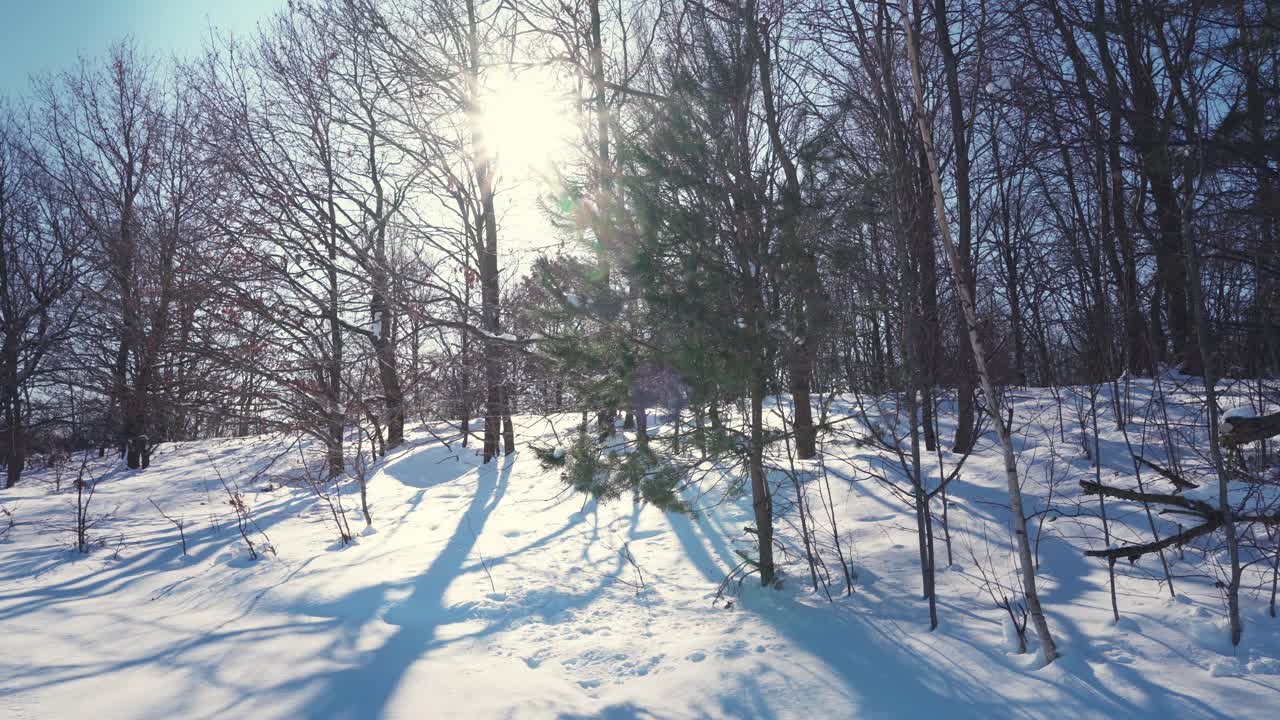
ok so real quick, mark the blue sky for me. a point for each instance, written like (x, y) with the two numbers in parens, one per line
(38, 36)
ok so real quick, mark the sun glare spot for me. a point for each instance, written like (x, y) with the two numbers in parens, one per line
(525, 121)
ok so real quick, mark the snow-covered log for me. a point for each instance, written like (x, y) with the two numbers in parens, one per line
(1242, 429)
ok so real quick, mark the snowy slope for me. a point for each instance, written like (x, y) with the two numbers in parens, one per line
(488, 591)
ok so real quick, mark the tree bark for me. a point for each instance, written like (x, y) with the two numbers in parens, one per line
(979, 357)
(392, 391)
(761, 498)
(1151, 135)
(800, 258)
(487, 246)
(336, 462)
(966, 424)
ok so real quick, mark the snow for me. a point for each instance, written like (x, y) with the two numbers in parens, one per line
(573, 300)
(1207, 492)
(999, 85)
(1243, 411)
(487, 592)
(1225, 667)
(1010, 634)
(507, 337)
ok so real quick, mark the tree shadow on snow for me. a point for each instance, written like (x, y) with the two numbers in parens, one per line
(875, 654)
(364, 689)
(426, 467)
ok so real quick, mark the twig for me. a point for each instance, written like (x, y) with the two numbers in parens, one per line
(179, 523)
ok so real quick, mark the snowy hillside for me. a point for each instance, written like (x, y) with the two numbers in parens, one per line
(486, 591)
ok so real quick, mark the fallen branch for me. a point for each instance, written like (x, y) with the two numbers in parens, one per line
(1178, 481)
(1133, 552)
(1213, 519)
(1199, 507)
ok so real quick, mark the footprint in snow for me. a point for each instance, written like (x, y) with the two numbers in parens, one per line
(1120, 658)
(1116, 655)
(642, 667)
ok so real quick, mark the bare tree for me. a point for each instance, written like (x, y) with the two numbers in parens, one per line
(40, 250)
(979, 357)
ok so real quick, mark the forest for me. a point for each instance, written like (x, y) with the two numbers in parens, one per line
(1011, 268)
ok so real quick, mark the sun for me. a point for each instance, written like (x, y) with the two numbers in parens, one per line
(525, 122)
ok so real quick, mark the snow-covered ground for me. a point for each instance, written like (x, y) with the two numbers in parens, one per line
(489, 591)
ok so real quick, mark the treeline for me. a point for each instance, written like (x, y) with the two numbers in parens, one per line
(297, 230)
(293, 230)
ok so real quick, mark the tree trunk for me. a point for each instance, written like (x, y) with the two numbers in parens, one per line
(336, 462)
(966, 425)
(761, 499)
(641, 416)
(487, 243)
(15, 450)
(381, 304)
(508, 428)
(1204, 352)
(137, 453)
(392, 392)
(1151, 136)
(1038, 620)
(1112, 203)
(15, 462)
(464, 381)
(800, 259)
